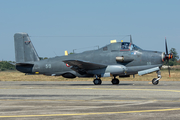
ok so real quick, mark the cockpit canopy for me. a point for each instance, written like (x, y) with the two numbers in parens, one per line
(121, 46)
(129, 46)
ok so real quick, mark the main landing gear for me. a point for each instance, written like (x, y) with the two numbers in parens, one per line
(115, 81)
(97, 81)
(155, 81)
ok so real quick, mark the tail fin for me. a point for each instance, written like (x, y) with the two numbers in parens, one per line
(24, 49)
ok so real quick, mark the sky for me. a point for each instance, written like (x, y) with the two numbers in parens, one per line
(58, 25)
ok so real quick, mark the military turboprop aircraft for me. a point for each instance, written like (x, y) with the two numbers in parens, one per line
(116, 59)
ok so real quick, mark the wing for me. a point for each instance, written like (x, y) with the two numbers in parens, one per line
(83, 66)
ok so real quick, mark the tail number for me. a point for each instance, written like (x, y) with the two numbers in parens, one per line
(48, 66)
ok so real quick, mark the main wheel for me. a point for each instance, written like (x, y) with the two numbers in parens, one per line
(115, 81)
(97, 81)
(155, 81)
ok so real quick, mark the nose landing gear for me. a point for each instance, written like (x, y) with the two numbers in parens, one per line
(155, 81)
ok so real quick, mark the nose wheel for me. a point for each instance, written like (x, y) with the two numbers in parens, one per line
(155, 81)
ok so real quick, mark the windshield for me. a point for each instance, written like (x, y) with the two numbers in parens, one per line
(134, 47)
(126, 46)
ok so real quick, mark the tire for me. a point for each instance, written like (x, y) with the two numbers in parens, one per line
(97, 81)
(154, 82)
(115, 81)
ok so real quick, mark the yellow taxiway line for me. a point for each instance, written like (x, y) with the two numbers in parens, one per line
(160, 90)
(95, 113)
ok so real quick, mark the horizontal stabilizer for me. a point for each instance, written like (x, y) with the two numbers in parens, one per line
(84, 65)
(12, 63)
(24, 64)
(143, 72)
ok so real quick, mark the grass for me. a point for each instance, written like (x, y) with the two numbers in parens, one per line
(18, 76)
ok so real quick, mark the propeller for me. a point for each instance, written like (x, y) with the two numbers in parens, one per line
(168, 56)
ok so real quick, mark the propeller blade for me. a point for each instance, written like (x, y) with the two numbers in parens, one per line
(166, 47)
(168, 68)
(169, 71)
(168, 56)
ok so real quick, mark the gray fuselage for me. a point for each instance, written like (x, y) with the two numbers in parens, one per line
(138, 60)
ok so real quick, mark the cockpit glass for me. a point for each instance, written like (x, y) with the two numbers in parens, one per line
(127, 46)
(134, 47)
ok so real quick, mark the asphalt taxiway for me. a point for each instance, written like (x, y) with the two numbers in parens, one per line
(81, 100)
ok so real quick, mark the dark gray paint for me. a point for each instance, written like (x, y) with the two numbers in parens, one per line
(87, 64)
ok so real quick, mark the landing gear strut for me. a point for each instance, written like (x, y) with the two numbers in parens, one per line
(97, 81)
(155, 81)
(115, 81)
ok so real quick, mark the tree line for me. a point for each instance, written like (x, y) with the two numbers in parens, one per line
(7, 65)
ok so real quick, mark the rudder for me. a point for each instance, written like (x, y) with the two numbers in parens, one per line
(24, 49)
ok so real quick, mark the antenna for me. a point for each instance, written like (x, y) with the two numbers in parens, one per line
(55, 53)
(130, 39)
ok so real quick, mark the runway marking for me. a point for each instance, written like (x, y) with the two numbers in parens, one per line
(66, 100)
(131, 89)
(71, 100)
(163, 90)
(97, 113)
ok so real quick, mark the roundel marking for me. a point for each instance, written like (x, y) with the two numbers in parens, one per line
(67, 65)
